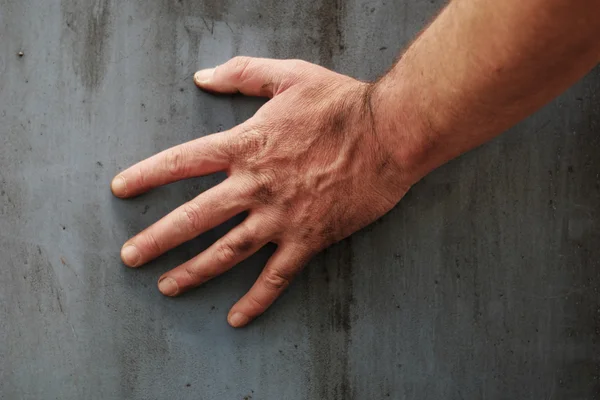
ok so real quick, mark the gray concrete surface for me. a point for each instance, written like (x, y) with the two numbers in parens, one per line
(482, 284)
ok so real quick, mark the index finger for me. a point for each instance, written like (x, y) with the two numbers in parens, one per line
(202, 156)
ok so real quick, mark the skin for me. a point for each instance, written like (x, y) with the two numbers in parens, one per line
(328, 154)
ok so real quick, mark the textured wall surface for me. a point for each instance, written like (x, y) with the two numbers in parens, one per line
(483, 283)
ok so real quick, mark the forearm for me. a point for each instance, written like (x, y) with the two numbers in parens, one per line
(479, 68)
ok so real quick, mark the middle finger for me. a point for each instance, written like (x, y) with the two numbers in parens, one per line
(206, 211)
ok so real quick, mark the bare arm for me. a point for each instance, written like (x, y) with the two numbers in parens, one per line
(479, 68)
(328, 154)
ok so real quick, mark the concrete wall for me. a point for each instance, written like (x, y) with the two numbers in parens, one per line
(482, 284)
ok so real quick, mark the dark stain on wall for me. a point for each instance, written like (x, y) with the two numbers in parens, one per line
(211, 10)
(330, 299)
(330, 16)
(96, 38)
(89, 27)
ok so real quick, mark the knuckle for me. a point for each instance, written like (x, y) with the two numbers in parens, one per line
(153, 243)
(259, 188)
(239, 61)
(175, 160)
(190, 219)
(301, 68)
(267, 177)
(192, 272)
(196, 274)
(256, 303)
(264, 186)
(297, 63)
(275, 281)
(246, 239)
(239, 65)
(140, 180)
(251, 142)
(225, 253)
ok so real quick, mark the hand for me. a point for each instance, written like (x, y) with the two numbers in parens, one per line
(310, 168)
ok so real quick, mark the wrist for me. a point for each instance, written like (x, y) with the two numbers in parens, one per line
(404, 129)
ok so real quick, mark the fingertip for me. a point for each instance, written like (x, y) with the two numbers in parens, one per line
(130, 255)
(168, 286)
(203, 77)
(119, 186)
(238, 319)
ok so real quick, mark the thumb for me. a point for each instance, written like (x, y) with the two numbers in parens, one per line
(248, 75)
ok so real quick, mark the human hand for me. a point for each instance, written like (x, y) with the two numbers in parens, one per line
(310, 168)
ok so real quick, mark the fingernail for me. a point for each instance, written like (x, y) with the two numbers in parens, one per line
(119, 186)
(202, 77)
(130, 255)
(168, 286)
(238, 319)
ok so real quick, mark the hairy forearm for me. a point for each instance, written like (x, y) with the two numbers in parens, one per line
(479, 68)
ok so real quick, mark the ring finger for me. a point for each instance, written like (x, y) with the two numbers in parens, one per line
(237, 245)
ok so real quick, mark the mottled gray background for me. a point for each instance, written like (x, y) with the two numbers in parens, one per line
(482, 284)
